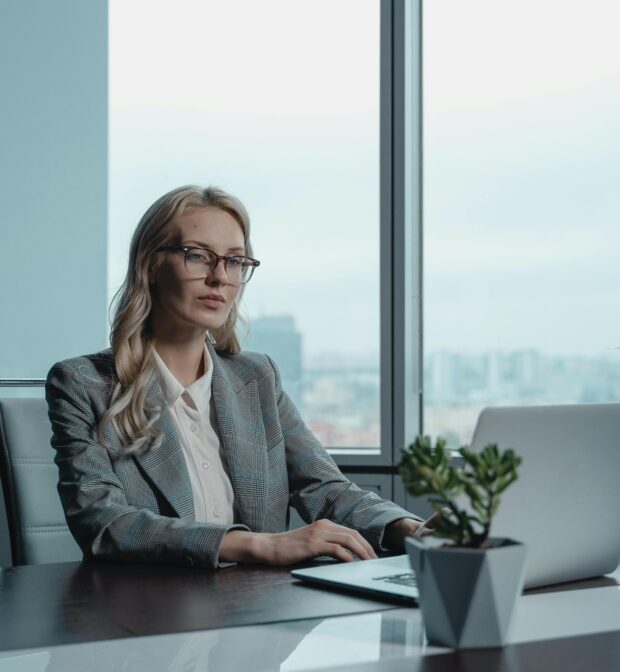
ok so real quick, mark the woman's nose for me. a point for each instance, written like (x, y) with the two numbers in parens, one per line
(217, 274)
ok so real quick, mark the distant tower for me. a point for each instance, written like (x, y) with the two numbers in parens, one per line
(278, 337)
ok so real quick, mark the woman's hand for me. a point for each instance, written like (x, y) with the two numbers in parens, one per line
(286, 548)
(396, 532)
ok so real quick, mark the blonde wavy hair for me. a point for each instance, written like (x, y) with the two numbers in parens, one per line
(130, 413)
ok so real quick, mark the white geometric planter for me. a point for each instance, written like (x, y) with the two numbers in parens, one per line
(467, 595)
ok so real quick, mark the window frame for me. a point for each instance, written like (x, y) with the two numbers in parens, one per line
(401, 270)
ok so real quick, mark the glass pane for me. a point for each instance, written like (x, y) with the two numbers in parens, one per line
(278, 103)
(522, 160)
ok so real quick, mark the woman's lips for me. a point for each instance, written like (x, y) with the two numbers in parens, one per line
(211, 301)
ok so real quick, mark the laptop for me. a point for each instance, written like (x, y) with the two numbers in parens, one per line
(564, 505)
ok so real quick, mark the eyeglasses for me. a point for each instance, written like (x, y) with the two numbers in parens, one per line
(199, 262)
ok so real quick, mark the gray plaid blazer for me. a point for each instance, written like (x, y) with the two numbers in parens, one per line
(140, 508)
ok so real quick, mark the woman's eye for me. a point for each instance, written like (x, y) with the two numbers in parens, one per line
(234, 262)
(196, 257)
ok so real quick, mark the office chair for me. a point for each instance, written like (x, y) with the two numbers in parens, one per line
(37, 527)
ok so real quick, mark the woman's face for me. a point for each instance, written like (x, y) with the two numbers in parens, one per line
(184, 303)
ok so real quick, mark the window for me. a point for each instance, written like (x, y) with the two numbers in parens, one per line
(521, 162)
(288, 120)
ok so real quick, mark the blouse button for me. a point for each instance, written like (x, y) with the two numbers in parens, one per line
(206, 464)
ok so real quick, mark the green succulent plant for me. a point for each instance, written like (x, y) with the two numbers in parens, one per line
(428, 469)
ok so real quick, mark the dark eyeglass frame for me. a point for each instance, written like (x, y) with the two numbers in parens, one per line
(186, 249)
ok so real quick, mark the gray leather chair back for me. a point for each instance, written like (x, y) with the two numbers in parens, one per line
(37, 527)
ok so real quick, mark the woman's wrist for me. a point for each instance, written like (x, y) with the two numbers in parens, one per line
(238, 546)
(243, 546)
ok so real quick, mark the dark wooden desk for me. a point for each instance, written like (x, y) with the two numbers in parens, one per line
(46, 605)
(66, 603)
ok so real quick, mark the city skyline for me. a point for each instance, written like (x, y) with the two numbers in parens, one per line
(339, 395)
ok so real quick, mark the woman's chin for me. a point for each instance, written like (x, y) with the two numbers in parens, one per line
(211, 325)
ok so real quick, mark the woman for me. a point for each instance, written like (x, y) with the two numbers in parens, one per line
(175, 446)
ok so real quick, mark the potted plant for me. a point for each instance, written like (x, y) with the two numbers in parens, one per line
(468, 587)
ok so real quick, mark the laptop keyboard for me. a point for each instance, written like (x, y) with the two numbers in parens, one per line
(408, 579)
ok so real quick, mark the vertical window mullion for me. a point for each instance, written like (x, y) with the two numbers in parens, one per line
(407, 223)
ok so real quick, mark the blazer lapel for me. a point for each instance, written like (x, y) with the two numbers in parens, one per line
(166, 465)
(238, 413)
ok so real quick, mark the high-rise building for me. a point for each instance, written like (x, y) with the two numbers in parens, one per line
(277, 336)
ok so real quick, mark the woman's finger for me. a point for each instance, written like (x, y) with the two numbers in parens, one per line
(351, 544)
(337, 551)
(360, 539)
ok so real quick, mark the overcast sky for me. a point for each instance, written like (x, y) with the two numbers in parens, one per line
(522, 162)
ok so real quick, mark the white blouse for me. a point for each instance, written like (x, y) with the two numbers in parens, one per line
(192, 409)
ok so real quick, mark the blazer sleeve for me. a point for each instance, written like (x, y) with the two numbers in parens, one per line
(319, 489)
(104, 525)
